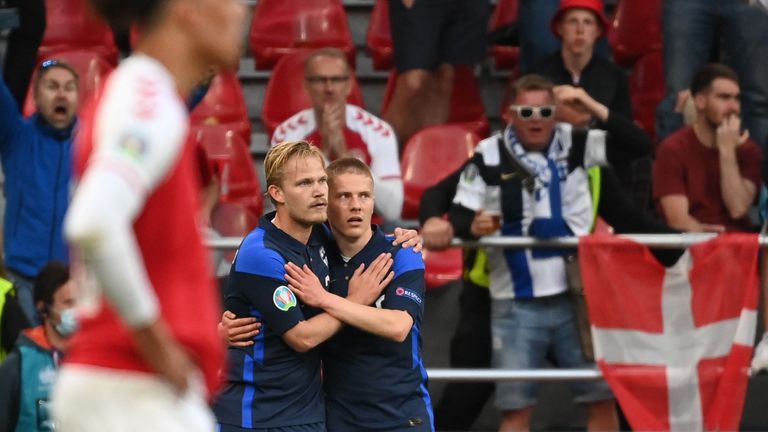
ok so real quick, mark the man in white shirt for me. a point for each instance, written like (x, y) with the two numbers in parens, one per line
(340, 129)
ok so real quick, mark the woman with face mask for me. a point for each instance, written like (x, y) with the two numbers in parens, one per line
(27, 375)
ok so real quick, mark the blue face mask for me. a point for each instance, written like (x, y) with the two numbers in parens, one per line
(68, 323)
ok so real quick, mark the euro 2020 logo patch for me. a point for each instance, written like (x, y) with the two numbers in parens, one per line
(284, 298)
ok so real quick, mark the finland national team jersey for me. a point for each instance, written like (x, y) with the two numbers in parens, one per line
(372, 383)
(270, 385)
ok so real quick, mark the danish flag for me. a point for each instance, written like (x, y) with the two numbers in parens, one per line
(674, 343)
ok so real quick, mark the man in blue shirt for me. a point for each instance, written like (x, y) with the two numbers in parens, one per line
(36, 158)
(374, 378)
(275, 382)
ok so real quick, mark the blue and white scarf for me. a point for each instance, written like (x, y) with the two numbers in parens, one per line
(557, 152)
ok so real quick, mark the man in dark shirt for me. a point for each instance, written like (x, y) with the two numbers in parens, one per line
(374, 378)
(592, 86)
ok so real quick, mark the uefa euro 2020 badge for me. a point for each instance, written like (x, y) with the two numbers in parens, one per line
(283, 298)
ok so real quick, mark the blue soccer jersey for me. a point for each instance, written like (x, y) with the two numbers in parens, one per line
(270, 385)
(372, 383)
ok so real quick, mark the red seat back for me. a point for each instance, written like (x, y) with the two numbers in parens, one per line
(442, 267)
(646, 90)
(378, 38)
(285, 95)
(70, 25)
(636, 30)
(505, 57)
(466, 102)
(231, 162)
(283, 26)
(429, 156)
(224, 104)
(232, 219)
(91, 66)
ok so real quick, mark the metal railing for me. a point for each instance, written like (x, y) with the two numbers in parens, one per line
(664, 241)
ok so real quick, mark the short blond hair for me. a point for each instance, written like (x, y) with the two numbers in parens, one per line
(280, 154)
(347, 165)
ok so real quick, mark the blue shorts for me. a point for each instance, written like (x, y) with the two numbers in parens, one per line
(528, 332)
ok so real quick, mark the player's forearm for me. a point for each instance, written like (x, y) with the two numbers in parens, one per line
(389, 324)
(308, 334)
(100, 224)
(738, 194)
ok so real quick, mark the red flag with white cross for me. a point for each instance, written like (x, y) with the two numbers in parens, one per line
(674, 343)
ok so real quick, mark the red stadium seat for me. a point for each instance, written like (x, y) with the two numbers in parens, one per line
(636, 30)
(646, 89)
(224, 104)
(231, 161)
(505, 57)
(283, 26)
(285, 95)
(90, 65)
(70, 25)
(442, 267)
(379, 37)
(466, 102)
(429, 156)
(232, 219)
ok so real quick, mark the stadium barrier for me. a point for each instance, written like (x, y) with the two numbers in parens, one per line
(664, 241)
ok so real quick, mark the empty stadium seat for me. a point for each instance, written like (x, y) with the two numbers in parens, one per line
(428, 157)
(505, 57)
(442, 267)
(636, 30)
(283, 26)
(378, 38)
(90, 65)
(646, 90)
(224, 104)
(231, 162)
(466, 102)
(70, 25)
(232, 219)
(285, 95)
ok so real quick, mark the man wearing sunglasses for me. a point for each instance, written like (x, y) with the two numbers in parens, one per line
(535, 175)
(36, 162)
(340, 129)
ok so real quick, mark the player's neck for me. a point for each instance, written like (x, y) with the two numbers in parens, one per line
(285, 223)
(350, 246)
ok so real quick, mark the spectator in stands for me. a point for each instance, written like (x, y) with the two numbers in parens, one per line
(430, 37)
(536, 41)
(340, 129)
(535, 178)
(373, 374)
(28, 373)
(690, 35)
(706, 176)
(593, 85)
(36, 158)
(21, 51)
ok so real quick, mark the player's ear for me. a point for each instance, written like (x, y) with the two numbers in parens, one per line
(276, 194)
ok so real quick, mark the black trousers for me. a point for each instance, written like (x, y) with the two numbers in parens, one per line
(462, 403)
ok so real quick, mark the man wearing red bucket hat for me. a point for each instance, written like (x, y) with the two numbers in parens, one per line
(592, 91)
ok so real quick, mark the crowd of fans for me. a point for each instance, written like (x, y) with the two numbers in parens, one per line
(569, 132)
